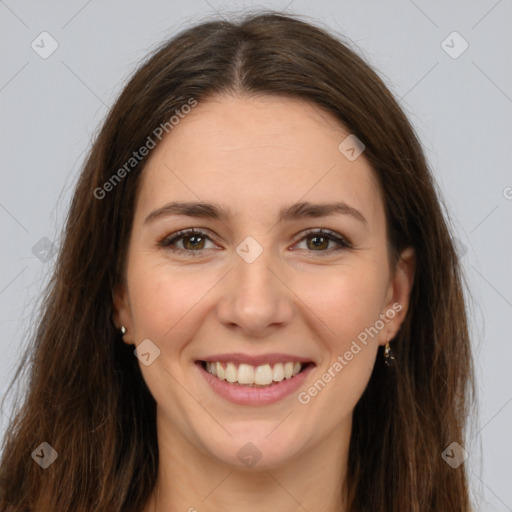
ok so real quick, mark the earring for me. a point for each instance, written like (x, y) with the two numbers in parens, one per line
(123, 330)
(388, 357)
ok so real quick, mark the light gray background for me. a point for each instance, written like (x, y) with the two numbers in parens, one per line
(461, 108)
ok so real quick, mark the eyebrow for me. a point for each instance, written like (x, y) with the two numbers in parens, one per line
(302, 210)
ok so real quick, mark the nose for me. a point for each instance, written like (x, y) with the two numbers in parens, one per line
(255, 297)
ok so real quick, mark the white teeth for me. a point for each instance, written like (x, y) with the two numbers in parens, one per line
(278, 373)
(231, 373)
(248, 375)
(262, 375)
(288, 370)
(221, 374)
(245, 374)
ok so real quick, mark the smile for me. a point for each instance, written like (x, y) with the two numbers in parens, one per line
(256, 384)
(249, 375)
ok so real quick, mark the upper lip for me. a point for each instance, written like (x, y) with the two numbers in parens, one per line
(255, 360)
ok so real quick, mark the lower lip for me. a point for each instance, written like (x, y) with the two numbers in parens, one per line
(244, 395)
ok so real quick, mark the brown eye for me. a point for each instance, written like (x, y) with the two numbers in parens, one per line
(193, 242)
(188, 241)
(319, 240)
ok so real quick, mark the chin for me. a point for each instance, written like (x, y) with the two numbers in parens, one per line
(255, 450)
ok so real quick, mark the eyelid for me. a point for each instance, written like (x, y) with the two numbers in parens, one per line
(331, 235)
(182, 233)
(341, 240)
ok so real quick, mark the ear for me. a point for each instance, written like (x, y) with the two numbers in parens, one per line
(122, 311)
(398, 295)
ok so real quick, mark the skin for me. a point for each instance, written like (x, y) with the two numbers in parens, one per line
(254, 156)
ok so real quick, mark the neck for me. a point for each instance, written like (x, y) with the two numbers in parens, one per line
(190, 480)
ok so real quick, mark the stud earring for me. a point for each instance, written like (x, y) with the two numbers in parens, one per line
(123, 330)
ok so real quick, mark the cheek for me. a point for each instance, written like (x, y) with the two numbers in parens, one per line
(349, 307)
(154, 303)
(163, 300)
(347, 302)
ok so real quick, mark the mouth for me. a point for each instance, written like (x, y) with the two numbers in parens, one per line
(247, 375)
(256, 384)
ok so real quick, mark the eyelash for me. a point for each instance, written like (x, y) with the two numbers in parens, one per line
(330, 235)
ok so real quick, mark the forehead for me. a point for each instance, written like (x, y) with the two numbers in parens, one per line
(259, 154)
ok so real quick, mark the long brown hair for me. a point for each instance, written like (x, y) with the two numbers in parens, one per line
(86, 396)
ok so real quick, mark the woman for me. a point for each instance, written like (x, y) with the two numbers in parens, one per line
(257, 304)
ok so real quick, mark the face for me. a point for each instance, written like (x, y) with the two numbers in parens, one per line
(275, 279)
